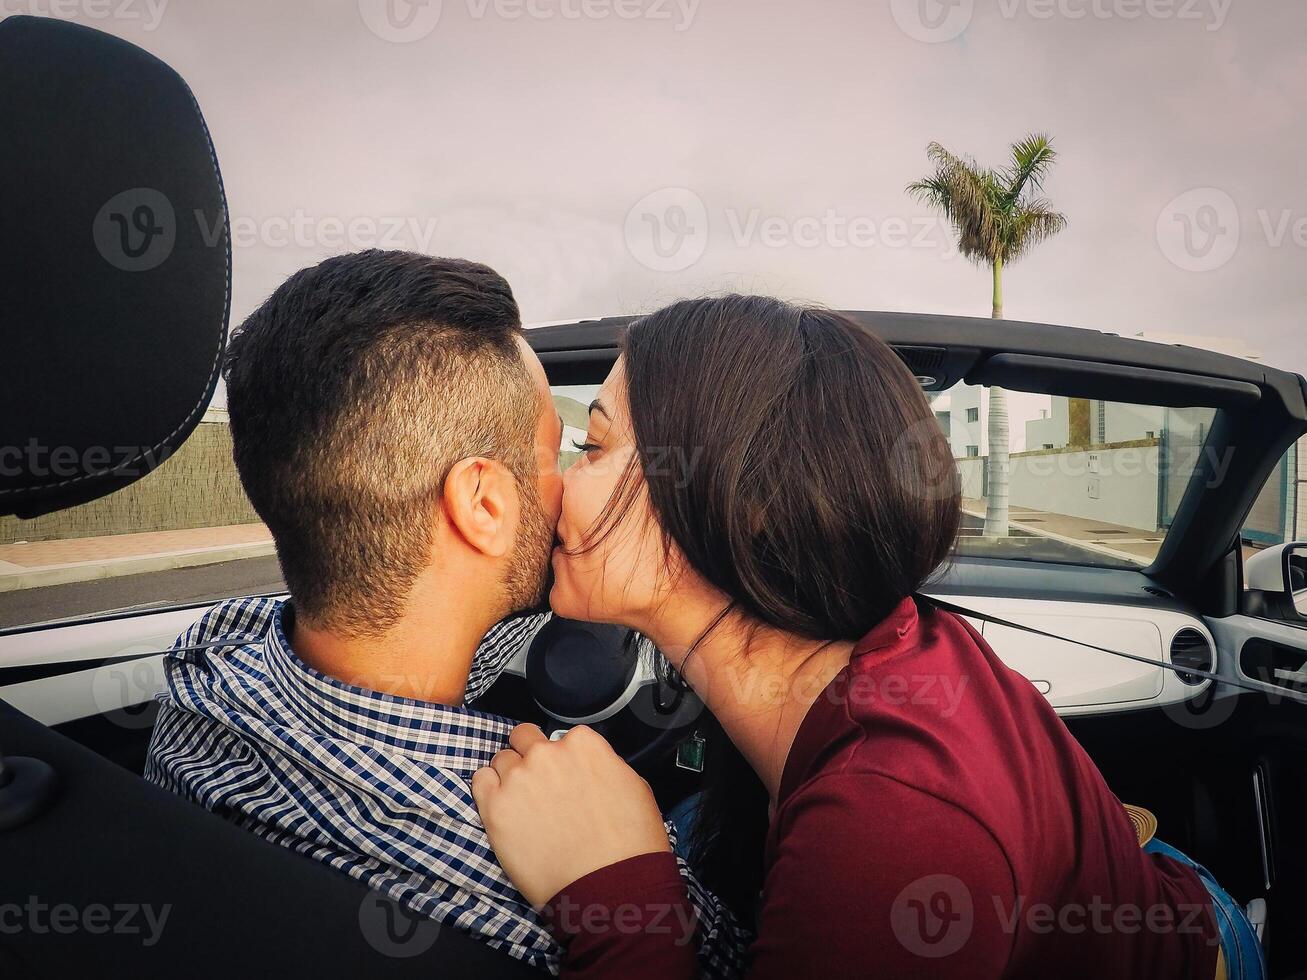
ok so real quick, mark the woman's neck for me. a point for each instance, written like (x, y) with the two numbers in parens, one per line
(758, 681)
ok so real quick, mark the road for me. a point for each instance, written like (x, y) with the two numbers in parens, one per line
(128, 592)
(254, 575)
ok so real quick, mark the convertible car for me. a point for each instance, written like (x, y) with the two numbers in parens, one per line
(1176, 656)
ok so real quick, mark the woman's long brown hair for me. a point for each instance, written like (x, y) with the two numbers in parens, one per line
(793, 460)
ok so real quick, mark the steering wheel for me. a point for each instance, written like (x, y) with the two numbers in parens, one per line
(614, 680)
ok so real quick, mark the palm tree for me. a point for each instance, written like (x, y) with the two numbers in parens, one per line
(998, 216)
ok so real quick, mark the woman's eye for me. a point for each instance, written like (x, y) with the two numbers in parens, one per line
(584, 447)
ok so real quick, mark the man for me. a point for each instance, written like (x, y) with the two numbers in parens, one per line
(396, 433)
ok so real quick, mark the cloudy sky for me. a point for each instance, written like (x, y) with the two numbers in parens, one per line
(610, 155)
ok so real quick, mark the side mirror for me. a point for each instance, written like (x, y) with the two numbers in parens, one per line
(1279, 575)
(1295, 576)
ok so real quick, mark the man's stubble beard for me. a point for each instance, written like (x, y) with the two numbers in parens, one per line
(528, 579)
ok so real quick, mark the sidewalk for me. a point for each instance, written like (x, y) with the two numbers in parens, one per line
(41, 563)
(1114, 540)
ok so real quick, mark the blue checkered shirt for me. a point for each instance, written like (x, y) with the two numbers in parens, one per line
(371, 784)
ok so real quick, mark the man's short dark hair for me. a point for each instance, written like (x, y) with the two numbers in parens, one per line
(352, 393)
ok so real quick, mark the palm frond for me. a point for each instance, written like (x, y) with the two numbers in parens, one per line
(941, 157)
(1031, 225)
(964, 177)
(934, 193)
(964, 194)
(1031, 159)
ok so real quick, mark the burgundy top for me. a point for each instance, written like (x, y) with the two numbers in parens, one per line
(935, 819)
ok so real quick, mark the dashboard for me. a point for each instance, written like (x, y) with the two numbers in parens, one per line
(65, 672)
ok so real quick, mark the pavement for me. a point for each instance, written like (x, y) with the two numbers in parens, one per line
(1136, 545)
(1132, 544)
(197, 584)
(39, 564)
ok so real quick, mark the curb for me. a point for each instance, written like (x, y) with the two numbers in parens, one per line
(37, 578)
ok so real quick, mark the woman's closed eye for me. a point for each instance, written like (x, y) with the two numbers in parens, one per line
(588, 448)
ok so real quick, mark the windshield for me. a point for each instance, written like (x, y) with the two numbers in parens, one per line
(1090, 482)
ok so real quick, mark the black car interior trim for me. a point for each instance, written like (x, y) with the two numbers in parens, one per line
(1117, 382)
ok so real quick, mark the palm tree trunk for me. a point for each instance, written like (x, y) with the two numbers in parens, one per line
(997, 499)
(998, 290)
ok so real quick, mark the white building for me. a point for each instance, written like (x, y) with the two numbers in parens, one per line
(1052, 429)
(1109, 422)
(963, 412)
(1112, 422)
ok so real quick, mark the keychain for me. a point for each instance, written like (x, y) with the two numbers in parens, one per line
(689, 754)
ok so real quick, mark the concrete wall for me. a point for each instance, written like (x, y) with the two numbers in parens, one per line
(1186, 433)
(1117, 485)
(1271, 519)
(1127, 486)
(1298, 527)
(1278, 514)
(972, 472)
(197, 487)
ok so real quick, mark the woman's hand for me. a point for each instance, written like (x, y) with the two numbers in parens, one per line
(555, 811)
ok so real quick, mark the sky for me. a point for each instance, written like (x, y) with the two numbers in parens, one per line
(609, 156)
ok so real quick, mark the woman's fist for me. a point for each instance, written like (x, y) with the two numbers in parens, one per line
(556, 811)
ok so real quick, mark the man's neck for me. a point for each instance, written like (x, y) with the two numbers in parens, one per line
(426, 656)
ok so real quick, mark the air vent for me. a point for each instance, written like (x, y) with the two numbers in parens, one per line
(1160, 593)
(1189, 648)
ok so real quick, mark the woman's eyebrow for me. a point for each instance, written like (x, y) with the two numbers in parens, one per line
(597, 406)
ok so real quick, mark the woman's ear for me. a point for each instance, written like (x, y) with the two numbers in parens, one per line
(481, 502)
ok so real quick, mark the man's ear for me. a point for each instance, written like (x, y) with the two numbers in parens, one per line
(481, 502)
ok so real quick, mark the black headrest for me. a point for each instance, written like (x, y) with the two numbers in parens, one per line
(115, 264)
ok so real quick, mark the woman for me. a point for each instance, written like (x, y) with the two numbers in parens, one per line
(763, 490)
